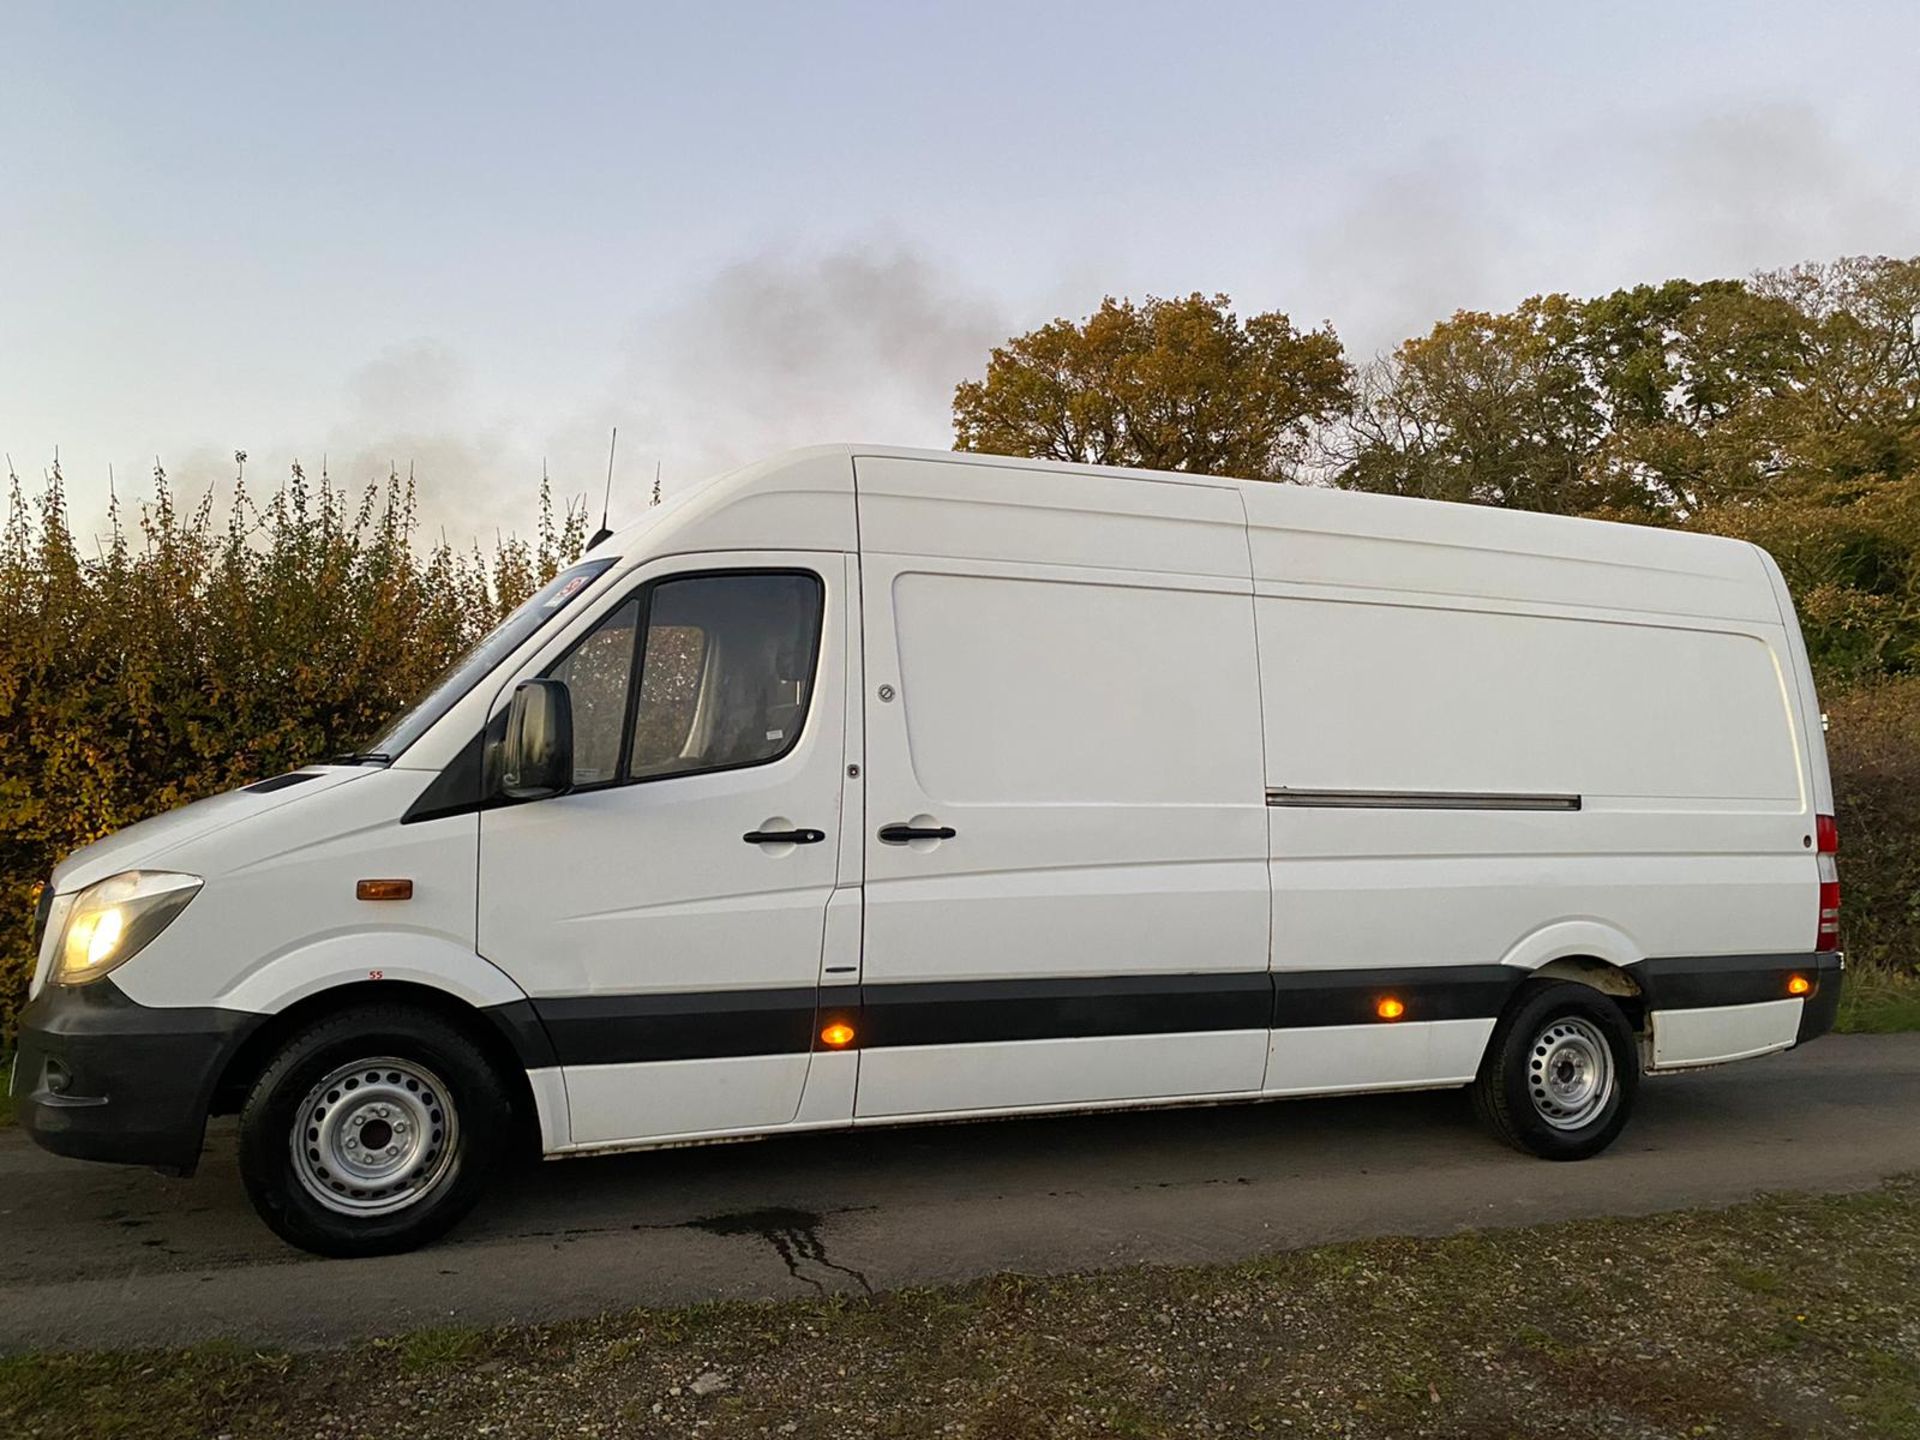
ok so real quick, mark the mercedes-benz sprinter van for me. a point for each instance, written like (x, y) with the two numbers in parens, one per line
(866, 786)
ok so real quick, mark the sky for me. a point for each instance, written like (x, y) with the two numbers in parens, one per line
(471, 239)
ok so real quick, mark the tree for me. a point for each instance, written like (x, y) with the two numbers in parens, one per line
(1497, 409)
(1689, 374)
(1167, 385)
(1854, 413)
(1659, 401)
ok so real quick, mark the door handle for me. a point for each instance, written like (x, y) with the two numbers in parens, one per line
(901, 834)
(784, 837)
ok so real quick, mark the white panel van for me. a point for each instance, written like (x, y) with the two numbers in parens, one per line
(866, 786)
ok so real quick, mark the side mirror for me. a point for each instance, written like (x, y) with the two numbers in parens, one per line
(538, 758)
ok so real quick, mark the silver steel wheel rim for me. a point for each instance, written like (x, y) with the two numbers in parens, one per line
(1570, 1073)
(375, 1136)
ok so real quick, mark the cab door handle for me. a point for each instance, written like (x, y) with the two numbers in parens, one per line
(784, 837)
(900, 834)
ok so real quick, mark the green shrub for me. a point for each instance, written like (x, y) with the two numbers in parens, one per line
(195, 654)
(1874, 748)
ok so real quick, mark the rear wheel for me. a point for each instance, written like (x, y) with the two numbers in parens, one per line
(1560, 1073)
(372, 1131)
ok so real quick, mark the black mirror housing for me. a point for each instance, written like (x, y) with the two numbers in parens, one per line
(538, 756)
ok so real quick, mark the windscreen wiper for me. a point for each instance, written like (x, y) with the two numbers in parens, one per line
(362, 757)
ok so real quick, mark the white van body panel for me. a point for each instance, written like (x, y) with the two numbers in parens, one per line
(359, 956)
(1038, 665)
(1805, 697)
(147, 842)
(934, 1081)
(1429, 649)
(1331, 1059)
(1574, 940)
(278, 921)
(1385, 544)
(1720, 1033)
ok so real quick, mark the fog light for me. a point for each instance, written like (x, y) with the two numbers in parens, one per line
(55, 1078)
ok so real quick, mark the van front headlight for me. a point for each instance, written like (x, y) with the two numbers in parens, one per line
(112, 920)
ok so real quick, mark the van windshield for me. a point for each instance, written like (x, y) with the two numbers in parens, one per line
(503, 640)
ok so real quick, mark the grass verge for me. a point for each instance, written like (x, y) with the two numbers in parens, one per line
(1788, 1316)
(1878, 1002)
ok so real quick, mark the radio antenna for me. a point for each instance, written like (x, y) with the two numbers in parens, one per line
(606, 500)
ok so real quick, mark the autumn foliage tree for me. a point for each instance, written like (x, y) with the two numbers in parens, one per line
(1180, 384)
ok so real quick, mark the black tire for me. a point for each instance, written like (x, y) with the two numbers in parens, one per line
(437, 1077)
(1561, 1024)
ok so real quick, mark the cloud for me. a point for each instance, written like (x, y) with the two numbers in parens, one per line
(1410, 245)
(1747, 185)
(859, 343)
(771, 351)
(1765, 184)
(865, 340)
(409, 383)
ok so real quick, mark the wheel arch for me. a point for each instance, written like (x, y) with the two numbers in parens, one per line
(1598, 974)
(1586, 952)
(497, 1036)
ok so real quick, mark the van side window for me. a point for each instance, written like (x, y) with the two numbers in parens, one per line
(597, 674)
(726, 673)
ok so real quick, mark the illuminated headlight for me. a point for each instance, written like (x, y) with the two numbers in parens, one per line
(112, 921)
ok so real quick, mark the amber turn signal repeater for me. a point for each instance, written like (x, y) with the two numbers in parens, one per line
(1390, 1009)
(1799, 985)
(839, 1035)
(383, 890)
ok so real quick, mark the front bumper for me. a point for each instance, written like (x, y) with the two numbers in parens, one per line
(99, 1077)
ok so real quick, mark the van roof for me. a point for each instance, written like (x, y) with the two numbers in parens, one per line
(820, 471)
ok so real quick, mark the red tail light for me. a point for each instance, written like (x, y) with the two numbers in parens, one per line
(1827, 832)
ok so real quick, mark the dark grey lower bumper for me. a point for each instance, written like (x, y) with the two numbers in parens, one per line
(1823, 1005)
(1700, 982)
(99, 1077)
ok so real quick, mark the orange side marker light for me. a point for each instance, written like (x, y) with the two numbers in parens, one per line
(383, 890)
(838, 1035)
(1799, 985)
(1390, 1009)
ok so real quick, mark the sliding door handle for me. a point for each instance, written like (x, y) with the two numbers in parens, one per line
(901, 834)
(784, 837)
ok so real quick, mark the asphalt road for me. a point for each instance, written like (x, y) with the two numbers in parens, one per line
(97, 1256)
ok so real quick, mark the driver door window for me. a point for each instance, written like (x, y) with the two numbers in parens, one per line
(597, 674)
(726, 668)
(727, 672)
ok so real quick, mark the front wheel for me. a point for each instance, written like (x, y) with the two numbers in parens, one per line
(372, 1131)
(1560, 1073)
